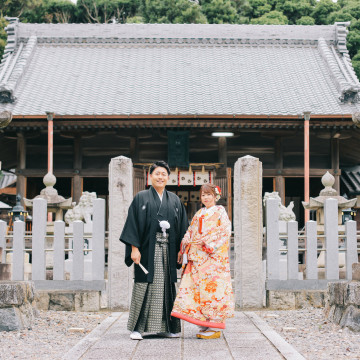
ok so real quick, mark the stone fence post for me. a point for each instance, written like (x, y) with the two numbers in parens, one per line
(120, 277)
(248, 229)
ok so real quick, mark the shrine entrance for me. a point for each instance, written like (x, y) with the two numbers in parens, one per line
(186, 184)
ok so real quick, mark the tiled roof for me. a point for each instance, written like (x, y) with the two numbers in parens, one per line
(150, 69)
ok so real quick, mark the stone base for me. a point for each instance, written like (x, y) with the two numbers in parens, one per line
(289, 300)
(356, 271)
(62, 300)
(343, 304)
(5, 271)
(17, 310)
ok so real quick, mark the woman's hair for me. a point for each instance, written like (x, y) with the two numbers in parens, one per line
(208, 188)
(160, 163)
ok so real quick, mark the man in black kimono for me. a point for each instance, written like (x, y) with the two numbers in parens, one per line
(153, 231)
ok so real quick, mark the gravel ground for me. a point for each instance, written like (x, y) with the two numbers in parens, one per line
(53, 334)
(312, 335)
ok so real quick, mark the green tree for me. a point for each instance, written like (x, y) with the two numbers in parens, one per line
(295, 9)
(255, 8)
(3, 35)
(356, 64)
(305, 20)
(339, 16)
(16, 8)
(189, 14)
(135, 20)
(105, 11)
(220, 12)
(323, 9)
(59, 11)
(353, 42)
(272, 18)
(172, 11)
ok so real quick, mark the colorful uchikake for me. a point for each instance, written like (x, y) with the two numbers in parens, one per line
(218, 193)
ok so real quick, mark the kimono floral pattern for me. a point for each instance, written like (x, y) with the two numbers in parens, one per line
(205, 294)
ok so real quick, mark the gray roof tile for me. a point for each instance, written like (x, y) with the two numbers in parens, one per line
(118, 69)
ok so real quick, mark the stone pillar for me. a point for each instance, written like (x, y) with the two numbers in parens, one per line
(120, 197)
(248, 228)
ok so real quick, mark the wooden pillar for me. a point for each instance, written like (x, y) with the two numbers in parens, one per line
(50, 118)
(335, 163)
(134, 149)
(77, 179)
(21, 165)
(279, 180)
(307, 162)
(223, 150)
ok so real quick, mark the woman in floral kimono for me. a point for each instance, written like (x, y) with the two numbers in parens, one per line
(205, 296)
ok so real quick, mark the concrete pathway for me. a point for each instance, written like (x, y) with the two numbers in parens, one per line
(247, 336)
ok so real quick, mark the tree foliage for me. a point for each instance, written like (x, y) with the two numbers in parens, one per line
(3, 24)
(272, 18)
(220, 12)
(300, 12)
(171, 11)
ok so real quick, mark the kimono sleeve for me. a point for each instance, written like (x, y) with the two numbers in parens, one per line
(216, 240)
(183, 225)
(188, 236)
(130, 234)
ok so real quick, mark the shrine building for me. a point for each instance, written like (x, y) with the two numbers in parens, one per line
(197, 96)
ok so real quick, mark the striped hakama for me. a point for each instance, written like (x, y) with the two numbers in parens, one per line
(151, 303)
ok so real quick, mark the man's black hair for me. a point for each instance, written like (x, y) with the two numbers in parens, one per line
(160, 163)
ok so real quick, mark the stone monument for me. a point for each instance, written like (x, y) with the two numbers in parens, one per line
(249, 278)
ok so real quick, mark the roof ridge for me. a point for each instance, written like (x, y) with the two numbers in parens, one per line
(177, 31)
(175, 41)
(347, 87)
(15, 69)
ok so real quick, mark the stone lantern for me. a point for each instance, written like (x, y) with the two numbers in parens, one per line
(328, 192)
(55, 202)
(5, 119)
(318, 204)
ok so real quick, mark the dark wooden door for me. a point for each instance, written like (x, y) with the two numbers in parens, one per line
(139, 180)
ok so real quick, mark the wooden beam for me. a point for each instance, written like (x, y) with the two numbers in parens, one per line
(8, 191)
(230, 122)
(297, 172)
